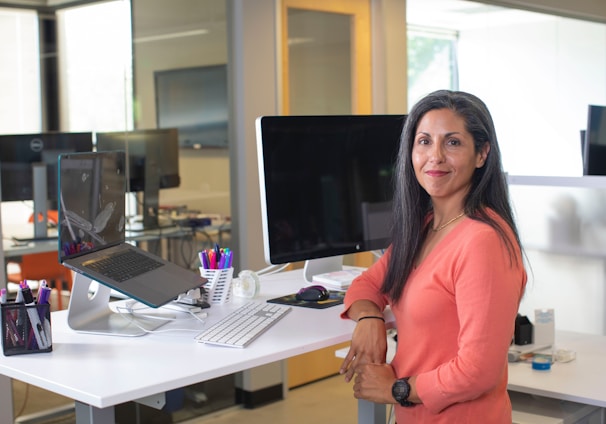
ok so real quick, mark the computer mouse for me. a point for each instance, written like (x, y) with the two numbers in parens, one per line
(312, 293)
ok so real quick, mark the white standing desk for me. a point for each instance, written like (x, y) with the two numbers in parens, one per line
(99, 372)
(581, 380)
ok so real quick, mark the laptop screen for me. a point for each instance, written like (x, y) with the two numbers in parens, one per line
(91, 202)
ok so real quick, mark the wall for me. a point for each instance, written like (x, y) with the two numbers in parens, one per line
(563, 231)
(537, 77)
(541, 136)
(593, 10)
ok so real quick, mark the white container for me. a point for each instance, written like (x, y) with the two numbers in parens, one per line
(218, 286)
(544, 327)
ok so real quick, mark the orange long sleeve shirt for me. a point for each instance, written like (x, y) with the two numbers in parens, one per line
(455, 322)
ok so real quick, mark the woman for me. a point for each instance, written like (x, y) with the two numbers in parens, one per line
(453, 275)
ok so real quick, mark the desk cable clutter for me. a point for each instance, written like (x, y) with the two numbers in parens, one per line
(26, 322)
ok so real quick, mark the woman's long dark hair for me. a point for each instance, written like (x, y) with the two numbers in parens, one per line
(412, 203)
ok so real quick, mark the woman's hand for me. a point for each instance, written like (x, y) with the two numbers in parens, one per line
(373, 382)
(369, 339)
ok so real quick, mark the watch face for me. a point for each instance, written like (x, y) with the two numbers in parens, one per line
(400, 390)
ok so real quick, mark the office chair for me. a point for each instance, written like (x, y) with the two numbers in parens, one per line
(44, 266)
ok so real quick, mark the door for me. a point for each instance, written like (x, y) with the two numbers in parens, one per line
(326, 61)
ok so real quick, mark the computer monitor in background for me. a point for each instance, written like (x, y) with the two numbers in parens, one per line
(326, 186)
(153, 164)
(28, 166)
(194, 100)
(594, 153)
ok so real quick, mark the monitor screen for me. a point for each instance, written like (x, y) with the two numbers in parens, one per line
(594, 154)
(156, 147)
(194, 100)
(92, 202)
(153, 163)
(326, 184)
(19, 152)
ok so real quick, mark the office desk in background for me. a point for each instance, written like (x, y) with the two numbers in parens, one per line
(99, 372)
(166, 242)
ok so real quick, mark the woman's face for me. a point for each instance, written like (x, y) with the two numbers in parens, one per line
(443, 155)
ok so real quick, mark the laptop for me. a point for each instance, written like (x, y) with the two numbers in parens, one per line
(91, 232)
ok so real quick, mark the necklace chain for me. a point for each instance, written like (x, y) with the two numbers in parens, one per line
(447, 223)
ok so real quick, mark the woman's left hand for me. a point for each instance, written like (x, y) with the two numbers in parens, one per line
(373, 382)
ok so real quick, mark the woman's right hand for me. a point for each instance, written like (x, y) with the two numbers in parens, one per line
(369, 339)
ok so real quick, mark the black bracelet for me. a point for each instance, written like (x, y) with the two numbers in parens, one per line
(371, 317)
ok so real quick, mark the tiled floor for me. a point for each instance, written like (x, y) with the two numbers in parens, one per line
(326, 401)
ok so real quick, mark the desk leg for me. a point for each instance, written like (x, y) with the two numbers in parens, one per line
(371, 413)
(86, 414)
(6, 400)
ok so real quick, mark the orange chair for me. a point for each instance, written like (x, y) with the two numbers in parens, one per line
(44, 266)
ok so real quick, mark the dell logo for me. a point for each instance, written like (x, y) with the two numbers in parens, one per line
(36, 144)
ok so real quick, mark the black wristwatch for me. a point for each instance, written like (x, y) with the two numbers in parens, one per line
(400, 392)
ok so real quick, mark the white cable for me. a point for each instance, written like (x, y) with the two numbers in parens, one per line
(129, 313)
(272, 269)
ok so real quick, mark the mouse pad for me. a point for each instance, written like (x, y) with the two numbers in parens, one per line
(334, 298)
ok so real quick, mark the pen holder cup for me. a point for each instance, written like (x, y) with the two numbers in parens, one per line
(26, 328)
(218, 287)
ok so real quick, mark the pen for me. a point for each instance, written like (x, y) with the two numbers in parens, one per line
(19, 300)
(217, 252)
(34, 318)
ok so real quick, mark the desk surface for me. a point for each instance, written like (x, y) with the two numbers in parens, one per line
(104, 371)
(581, 380)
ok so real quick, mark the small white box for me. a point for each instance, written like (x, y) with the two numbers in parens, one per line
(544, 327)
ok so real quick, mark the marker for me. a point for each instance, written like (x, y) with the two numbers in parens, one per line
(204, 259)
(43, 293)
(3, 296)
(34, 318)
(212, 259)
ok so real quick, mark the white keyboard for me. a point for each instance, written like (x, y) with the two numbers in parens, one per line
(243, 325)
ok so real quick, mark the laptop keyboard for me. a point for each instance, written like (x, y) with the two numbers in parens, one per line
(124, 265)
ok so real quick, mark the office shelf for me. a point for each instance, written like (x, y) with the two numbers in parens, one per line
(567, 250)
(586, 181)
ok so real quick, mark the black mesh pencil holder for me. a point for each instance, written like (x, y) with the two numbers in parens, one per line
(26, 328)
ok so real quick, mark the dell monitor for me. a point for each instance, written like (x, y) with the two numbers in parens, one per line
(326, 186)
(594, 148)
(28, 166)
(153, 164)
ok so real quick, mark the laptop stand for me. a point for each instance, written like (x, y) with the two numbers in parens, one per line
(90, 313)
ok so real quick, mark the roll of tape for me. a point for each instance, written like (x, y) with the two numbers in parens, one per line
(541, 364)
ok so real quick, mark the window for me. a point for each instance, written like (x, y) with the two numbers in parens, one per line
(432, 61)
(20, 72)
(96, 67)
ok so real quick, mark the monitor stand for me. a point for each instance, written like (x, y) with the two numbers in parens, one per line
(40, 194)
(91, 313)
(321, 265)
